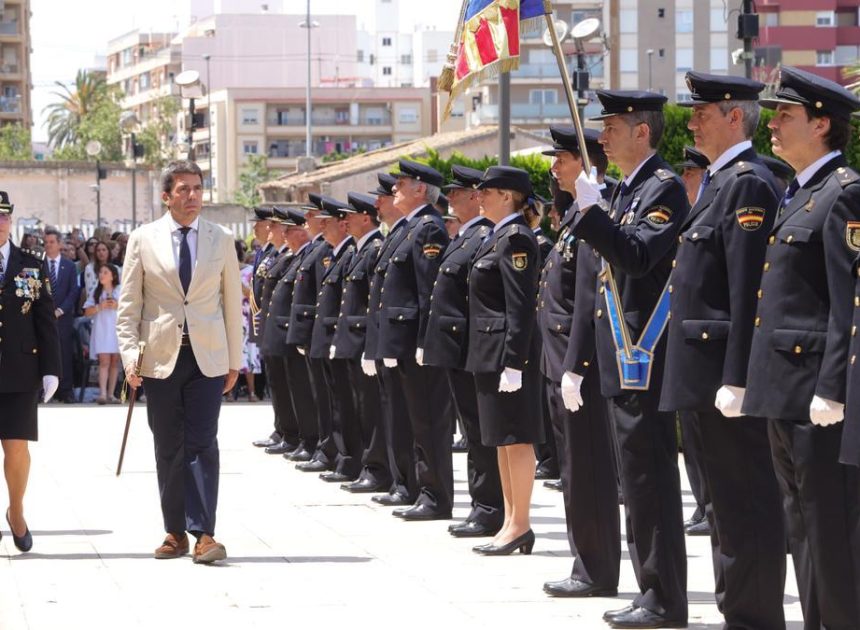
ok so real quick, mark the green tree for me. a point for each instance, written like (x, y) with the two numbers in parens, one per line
(15, 143)
(101, 123)
(73, 106)
(158, 134)
(255, 173)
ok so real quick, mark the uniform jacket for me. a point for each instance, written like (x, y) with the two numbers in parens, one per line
(305, 290)
(544, 245)
(502, 298)
(638, 238)
(714, 281)
(802, 327)
(264, 259)
(328, 301)
(153, 306)
(408, 283)
(29, 343)
(349, 336)
(850, 451)
(274, 342)
(380, 267)
(270, 274)
(448, 320)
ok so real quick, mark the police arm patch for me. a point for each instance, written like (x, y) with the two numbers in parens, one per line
(659, 215)
(852, 235)
(750, 219)
(520, 260)
(432, 250)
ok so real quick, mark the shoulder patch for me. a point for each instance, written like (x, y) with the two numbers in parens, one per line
(663, 174)
(659, 215)
(852, 235)
(750, 219)
(743, 167)
(846, 176)
(520, 260)
(432, 250)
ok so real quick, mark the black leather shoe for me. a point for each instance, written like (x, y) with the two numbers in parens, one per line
(644, 618)
(301, 454)
(525, 543)
(365, 485)
(543, 473)
(553, 484)
(697, 517)
(460, 446)
(702, 528)
(280, 448)
(23, 543)
(571, 587)
(313, 466)
(609, 615)
(472, 529)
(421, 513)
(335, 477)
(269, 441)
(391, 499)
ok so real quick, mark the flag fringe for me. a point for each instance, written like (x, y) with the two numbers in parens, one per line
(489, 72)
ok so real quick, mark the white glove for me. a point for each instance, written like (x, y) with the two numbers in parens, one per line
(50, 383)
(587, 189)
(510, 380)
(571, 391)
(389, 363)
(368, 367)
(824, 412)
(301, 350)
(331, 352)
(729, 400)
(419, 356)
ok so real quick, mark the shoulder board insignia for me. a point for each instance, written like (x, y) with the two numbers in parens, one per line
(432, 250)
(852, 235)
(484, 230)
(750, 219)
(35, 253)
(743, 167)
(659, 215)
(427, 218)
(846, 176)
(663, 174)
(514, 229)
(520, 260)
(541, 238)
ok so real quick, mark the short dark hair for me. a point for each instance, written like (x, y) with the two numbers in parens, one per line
(53, 231)
(179, 167)
(599, 161)
(655, 121)
(840, 130)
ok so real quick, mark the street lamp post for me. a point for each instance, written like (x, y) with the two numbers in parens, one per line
(207, 57)
(129, 122)
(308, 24)
(93, 148)
(650, 53)
(190, 87)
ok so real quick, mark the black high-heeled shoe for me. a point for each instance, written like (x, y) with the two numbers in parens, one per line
(23, 543)
(525, 543)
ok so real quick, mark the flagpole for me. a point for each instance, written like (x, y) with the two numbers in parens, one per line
(504, 118)
(568, 88)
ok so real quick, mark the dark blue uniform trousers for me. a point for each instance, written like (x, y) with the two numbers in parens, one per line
(183, 414)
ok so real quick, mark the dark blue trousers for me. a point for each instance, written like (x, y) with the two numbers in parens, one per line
(183, 415)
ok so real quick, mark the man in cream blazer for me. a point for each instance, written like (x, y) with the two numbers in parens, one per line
(181, 295)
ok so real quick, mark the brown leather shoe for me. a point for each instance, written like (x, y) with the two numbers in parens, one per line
(174, 546)
(207, 551)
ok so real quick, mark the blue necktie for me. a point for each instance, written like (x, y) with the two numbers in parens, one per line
(790, 192)
(53, 271)
(184, 260)
(706, 179)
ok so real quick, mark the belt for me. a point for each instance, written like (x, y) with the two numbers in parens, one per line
(185, 340)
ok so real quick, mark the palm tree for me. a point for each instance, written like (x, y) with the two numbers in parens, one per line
(65, 116)
(852, 73)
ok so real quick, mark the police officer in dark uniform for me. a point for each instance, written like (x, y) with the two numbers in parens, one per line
(802, 331)
(445, 347)
(271, 344)
(713, 285)
(348, 342)
(345, 427)
(586, 455)
(637, 241)
(396, 425)
(302, 314)
(692, 170)
(29, 362)
(403, 315)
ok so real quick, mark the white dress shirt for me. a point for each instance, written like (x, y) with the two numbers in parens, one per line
(191, 238)
(364, 239)
(728, 155)
(504, 221)
(809, 172)
(5, 249)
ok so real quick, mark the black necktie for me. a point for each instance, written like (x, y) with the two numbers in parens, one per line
(706, 179)
(2, 269)
(789, 194)
(53, 271)
(184, 260)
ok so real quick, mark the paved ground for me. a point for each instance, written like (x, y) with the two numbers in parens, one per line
(301, 551)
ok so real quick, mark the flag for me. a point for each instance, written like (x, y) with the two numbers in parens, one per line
(488, 41)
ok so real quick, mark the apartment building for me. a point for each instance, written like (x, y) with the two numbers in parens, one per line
(15, 80)
(821, 36)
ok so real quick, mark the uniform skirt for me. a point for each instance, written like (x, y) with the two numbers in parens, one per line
(510, 417)
(18, 415)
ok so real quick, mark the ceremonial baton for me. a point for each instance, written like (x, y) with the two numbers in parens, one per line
(140, 350)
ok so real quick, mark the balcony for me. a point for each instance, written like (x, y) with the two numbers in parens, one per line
(9, 28)
(10, 104)
(293, 120)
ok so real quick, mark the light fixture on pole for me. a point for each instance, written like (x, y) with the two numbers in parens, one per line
(580, 33)
(93, 148)
(650, 53)
(129, 123)
(308, 24)
(207, 57)
(190, 88)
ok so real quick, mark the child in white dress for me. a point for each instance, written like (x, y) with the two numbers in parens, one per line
(101, 306)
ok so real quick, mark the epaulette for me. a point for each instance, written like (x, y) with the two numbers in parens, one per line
(514, 229)
(484, 230)
(663, 174)
(846, 175)
(35, 253)
(427, 218)
(743, 167)
(541, 238)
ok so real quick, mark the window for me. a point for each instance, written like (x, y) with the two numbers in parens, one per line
(127, 57)
(144, 81)
(386, 71)
(684, 59)
(629, 62)
(824, 57)
(249, 147)
(386, 41)
(406, 60)
(825, 18)
(719, 59)
(661, 53)
(543, 97)
(250, 117)
(407, 115)
(432, 55)
(718, 21)
(683, 97)
(661, 13)
(846, 55)
(628, 21)
(341, 116)
(771, 19)
(684, 21)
